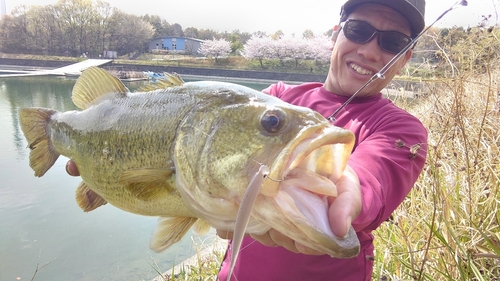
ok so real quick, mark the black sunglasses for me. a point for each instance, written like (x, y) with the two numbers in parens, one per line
(362, 32)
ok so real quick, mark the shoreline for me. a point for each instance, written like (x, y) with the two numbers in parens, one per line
(219, 245)
(139, 76)
(221, 73)
(134, 75)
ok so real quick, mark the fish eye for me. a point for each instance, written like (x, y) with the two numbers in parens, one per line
(273, 121)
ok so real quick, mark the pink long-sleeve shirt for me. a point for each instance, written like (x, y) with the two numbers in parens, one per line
(387, 171)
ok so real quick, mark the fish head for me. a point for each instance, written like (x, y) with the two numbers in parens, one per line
(301, 183)
(224, 140)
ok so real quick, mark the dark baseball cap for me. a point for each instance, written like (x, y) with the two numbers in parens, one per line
(413, 10)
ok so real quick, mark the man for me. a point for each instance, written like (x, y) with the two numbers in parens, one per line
(370, 34)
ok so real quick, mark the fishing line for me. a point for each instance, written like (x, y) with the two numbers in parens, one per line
(267, 176)
(381, 73)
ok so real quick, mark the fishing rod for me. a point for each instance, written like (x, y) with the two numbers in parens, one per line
(380, 74)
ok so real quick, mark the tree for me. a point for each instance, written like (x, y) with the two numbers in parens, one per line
(258, 47)
(191, 32)
(77, 17)
(75, 27)
(103, 25)
(14, 35)
(236, 38)
(279, 51)
(161, 27)
(208, 34)
(215, 48)
(308, 34)
(259, 34)
(176, 30)
(278, 34)
(293, 48)
(319, 48)
(44, 29)
(264, 47)
(130, 33)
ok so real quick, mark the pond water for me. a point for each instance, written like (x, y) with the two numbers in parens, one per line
(41, 225)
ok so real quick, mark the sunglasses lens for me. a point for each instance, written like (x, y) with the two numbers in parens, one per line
(362, 32)
(358, 31)
(393, 42)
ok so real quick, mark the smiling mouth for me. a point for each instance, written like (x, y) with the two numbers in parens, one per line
(360, 70)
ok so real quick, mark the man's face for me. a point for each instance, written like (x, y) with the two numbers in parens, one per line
(353, 64)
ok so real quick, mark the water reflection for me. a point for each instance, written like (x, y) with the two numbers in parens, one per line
(34, 91)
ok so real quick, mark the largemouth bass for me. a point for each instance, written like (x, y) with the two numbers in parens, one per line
(187, 152)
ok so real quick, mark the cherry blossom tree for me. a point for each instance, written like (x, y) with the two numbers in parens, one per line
(287, 48)
(319, 48)
(258, 47)
(279, 51)
(215, 48)
(294, 48)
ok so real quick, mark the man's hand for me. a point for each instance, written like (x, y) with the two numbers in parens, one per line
(71, 168)
(343, 209)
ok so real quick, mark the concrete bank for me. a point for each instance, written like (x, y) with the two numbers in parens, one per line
(410, 89)
(192, 71)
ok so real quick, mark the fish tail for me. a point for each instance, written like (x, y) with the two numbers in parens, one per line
(35, 125)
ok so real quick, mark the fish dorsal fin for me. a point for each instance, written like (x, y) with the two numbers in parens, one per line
(170, 80)
(87, 199)
(169, 231)
(94, 83)
(147, 184)
(201, 227)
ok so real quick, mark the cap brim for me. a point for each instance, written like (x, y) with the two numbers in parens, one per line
(408, 10)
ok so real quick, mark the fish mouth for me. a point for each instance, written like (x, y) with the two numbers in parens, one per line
(323, 150)
(302, 178)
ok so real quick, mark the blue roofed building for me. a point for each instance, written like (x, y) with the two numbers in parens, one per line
(182, 45)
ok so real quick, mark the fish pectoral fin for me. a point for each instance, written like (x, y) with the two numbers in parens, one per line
(201, 227)
(94, 83)
(147, 184)
(87, 199)
(169, 231)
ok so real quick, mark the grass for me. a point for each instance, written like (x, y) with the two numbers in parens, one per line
(448, 227)
(203, 266)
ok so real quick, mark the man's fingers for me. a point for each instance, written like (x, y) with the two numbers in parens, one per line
(265, 239)
(283, 241)
(347, 205)
(274, 238)
(224, 234)
(71, 168)
(306, 250)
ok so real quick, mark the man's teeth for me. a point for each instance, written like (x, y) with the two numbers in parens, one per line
(361, 70)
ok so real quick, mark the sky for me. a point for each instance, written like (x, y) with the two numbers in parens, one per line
(292, 17)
